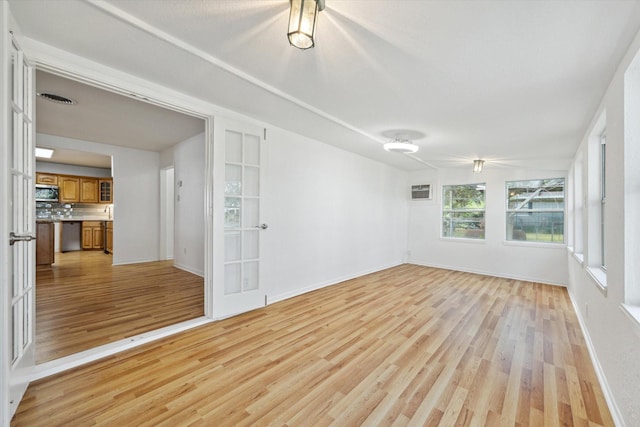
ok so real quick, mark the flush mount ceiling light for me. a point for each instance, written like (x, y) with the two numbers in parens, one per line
(302, 22)
(401, 146)
(44, 153)
(478, 165)
(58, 99)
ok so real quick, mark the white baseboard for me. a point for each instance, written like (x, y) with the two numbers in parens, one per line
(189, 270)
(486, 273)
(602, 379)
(286, 295)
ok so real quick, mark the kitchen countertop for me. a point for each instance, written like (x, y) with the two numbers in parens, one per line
(75, 219)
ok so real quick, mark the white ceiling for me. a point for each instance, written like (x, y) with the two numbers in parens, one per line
(106, 117)
(512, 82)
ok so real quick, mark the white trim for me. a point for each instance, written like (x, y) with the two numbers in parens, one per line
(633, 312)
(78, 359)
(297, 292)
(532, 244)
(599, 277)
(602, 379)
(463, 239)
(189, 270)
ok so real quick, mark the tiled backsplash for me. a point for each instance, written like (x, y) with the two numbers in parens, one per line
(72, 210)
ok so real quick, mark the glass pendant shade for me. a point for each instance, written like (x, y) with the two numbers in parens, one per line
(302, 22)
(478, 165)
(401, 146)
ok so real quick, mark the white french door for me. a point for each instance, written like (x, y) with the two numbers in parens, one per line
(21, 221)
(238, 151)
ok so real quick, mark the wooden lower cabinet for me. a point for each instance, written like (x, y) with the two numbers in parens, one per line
(109, 236)
(92, 235)
(45, 252)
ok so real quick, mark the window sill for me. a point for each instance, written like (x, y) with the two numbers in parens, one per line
(524, 243)
(633, 312)
(579, 257)
(463, 240)
(599, 277)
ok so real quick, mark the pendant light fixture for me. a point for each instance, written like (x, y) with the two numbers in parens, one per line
(401, 146)
(302, 22)
(478, 165)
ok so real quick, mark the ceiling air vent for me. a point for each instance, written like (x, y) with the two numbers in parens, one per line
(421, 192)
(58, 99)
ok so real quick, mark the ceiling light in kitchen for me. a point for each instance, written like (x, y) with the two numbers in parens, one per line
(44, 153)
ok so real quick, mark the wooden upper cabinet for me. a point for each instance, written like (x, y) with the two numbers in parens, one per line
(88, 190)
(105, 187)
(46, 178)
(69, 189)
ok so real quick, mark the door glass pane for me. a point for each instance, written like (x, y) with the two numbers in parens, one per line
(250, 276)
(232, 209)
(232, 246)
(250, 247)
(233, 147)
(251, 181)
(15, 311)
(25, 325)
(232, 279)
(15, 132)
(252, 149)
(233, 180)
(250, 216)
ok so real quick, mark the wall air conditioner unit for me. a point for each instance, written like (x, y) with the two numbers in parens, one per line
(421, 192)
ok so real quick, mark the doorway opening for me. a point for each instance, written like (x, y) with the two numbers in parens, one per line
(96, 295)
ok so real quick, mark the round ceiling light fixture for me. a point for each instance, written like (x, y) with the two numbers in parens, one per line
(398, 145)
(58, 99)
(400, 140)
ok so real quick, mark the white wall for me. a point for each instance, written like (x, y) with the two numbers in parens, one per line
(613, 335)
(63, 169)
(188, 245)
(136, 191)
(332, 215)
(494, 255)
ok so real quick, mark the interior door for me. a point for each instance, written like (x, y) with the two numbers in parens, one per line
(238, 161)
(21, 220)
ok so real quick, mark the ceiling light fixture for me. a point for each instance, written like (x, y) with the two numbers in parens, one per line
(302, 22)
(478, 165)
(44, 153)
(401, 146)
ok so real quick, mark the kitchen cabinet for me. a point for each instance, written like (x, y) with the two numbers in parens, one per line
(109, 238)
(45, 253)
(106, 190)
(69, 187)
(92, 235)
(88, 190)
(46, 178)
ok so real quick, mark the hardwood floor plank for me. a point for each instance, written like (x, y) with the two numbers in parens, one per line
(83, 301)
(405, 346)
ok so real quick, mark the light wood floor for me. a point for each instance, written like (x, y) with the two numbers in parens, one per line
(83, 301)
(406, 346)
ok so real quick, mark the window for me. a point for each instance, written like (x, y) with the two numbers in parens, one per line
(463, 211)
(535, 210)
(595, 179)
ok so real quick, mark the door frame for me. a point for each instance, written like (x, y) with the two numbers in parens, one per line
(79, 69)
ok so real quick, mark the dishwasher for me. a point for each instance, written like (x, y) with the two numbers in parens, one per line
(71, 236)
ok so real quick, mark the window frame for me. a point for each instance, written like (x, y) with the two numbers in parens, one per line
(445, 210)
(510, 212)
